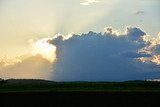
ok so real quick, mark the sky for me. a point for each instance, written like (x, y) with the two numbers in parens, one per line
(26, 26)
(22, 20)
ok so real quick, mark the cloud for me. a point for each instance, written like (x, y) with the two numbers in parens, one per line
(140, 12)
(43, 48)
(152, 47)
(109, 56)
(88, 2)
(6, 61)
(30, 67)
(112, 56)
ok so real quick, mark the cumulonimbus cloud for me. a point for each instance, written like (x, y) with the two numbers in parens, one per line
(112, 56)
(108, 56)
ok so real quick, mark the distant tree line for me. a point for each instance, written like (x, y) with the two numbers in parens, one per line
(2, 81)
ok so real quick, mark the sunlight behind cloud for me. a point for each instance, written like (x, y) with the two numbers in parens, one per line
(45, 49)
(23, 20)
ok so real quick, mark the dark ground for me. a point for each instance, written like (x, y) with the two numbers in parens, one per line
(82, 99)
(36, 93)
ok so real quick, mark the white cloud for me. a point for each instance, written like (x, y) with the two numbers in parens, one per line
(152, 47)
(45, 49)
(88, 2)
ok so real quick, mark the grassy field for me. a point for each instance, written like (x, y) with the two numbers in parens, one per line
(49, 86)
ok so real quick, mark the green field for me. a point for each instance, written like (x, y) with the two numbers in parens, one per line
(49, 86)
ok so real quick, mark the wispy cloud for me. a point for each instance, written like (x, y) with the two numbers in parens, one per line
(88, 2)
(140, 12)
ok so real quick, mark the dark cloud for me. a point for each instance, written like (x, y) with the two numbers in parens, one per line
(100, 57)
(108, 56)
(131, 54)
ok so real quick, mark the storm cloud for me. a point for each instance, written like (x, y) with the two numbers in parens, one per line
(112, 56)
(108, 56)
